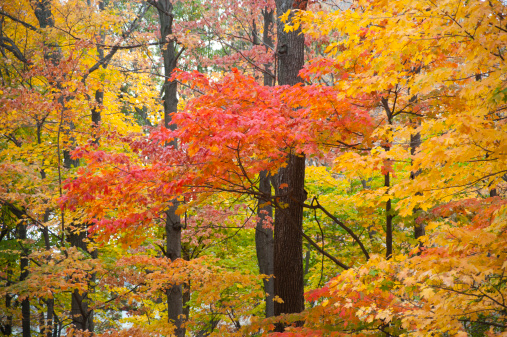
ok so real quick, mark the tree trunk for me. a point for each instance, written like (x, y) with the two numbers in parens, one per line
(25, 304)
(264, 244)
(173, 252)
(288, 245)
(82, 316)
(415, 142)
(7, 326)
(264, 236)
(389, 221)
(387, 182)
(173, 222)
(50, 302)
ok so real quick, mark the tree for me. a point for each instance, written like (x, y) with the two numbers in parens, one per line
(45, 98)
(288, 246)
(399, 126)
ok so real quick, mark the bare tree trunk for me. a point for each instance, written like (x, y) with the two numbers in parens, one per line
(25, 304)
(175, 292)
(7, 326)
(387, 183)
(264, 236)
(288, 245)
(264, 244)
(50, 302)
(173, 222)
(415, 142)
(82, 316)
(389, 220)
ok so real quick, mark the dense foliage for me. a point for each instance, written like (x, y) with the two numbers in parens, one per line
(400, 117)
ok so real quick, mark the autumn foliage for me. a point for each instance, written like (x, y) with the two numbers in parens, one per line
(401, 118)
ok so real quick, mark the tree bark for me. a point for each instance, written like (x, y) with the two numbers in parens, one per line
(288, 247)
(387, 183)
(389, 221)
(288, 240)
(25, 303)
(415, 142)
(82, 315)
(264, 236)
(173, 222)
(7, 326)
(50, 302)
(264, 244)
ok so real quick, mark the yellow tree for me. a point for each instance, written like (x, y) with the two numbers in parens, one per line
(435, 70)
(54, 77)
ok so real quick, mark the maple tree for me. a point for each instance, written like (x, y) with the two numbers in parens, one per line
(396, 121)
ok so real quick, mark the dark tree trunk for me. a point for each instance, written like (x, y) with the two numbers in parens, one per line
(288, 248)
(82, 316)
(389, 220)
(173, 222)
(415, 142)
(25, 304)
(264, 236)
(264, 244)
(173, 252)
(288, 245)
(7, 326)
(50, 303)
(96, 112)
(290, 48)
(387, 183)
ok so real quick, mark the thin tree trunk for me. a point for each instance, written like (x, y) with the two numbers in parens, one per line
(264, 236)
(264, 244)
(173, 222)
(173, 252)
(415, 142)
(7, 327)
(50, 302)
(288, 245)
(387, 183)
(25, 303)
(82, 317)
(389, 221)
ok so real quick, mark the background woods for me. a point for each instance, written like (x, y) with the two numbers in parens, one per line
(211, 168)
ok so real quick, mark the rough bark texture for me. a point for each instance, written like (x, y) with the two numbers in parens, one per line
(173, 252)
(264, 245)
(288, 246)
(264, 236)
(173, 222)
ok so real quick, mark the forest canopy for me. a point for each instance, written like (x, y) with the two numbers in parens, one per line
(253, 168)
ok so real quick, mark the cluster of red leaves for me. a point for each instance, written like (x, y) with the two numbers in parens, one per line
(226, 136)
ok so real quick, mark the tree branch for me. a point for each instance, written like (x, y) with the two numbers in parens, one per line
(27, 25)
(105, 60)
(339, 223)
(13, 49)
